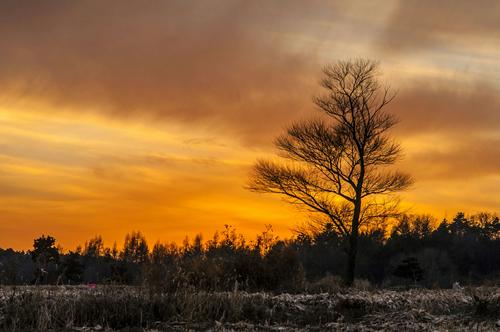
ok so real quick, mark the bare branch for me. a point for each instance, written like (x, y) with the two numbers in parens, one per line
(332, 167)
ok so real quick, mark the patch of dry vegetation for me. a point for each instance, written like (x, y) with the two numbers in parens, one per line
(45, 308)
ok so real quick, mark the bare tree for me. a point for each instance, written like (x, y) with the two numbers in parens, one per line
(336, 166)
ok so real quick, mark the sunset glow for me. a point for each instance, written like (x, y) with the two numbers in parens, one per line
(148, 115)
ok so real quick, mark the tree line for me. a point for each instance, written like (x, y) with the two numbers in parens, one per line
(415, 251)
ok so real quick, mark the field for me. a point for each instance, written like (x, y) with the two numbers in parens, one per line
(112, 308)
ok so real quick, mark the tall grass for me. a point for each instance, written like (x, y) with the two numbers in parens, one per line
(116, 307)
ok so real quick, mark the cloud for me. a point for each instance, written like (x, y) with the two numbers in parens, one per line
(450, 129)
(463, 159)
(416, 25)
(446, 106)
(220, 63)
(201, 88)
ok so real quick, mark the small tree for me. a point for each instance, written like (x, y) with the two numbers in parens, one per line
(72, 268)
(134, 257)
(135, 248)
(334, 166)
(44, 254)
(94, 248)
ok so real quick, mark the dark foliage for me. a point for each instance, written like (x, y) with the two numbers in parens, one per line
(464, 250)
(409, 269)
(45, 255)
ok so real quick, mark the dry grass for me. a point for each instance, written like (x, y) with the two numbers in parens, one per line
(114, 307)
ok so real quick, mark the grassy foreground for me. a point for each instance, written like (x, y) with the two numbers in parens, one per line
(82, 308)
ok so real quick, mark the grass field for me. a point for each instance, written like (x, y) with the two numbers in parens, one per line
(111, 308)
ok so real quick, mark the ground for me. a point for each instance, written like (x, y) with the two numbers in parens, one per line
(121, 308)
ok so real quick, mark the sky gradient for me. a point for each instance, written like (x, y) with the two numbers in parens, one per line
(130, 115)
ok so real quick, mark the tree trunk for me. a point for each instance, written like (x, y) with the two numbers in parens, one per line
(353, 243)
(351, 257)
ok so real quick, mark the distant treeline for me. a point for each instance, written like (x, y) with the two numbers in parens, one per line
(416, 251)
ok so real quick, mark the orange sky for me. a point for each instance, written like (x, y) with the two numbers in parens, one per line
(133, 115)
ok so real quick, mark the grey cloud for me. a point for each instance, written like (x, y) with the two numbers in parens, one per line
(446, 107)
(417, 24)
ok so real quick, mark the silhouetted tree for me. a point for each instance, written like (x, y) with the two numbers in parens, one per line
(162, 267)
(72, 268)
(135, 248)
(44, 254)
(334, 166)
(134, 256)
(15, 267)
(94, 247)
(283, 268)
